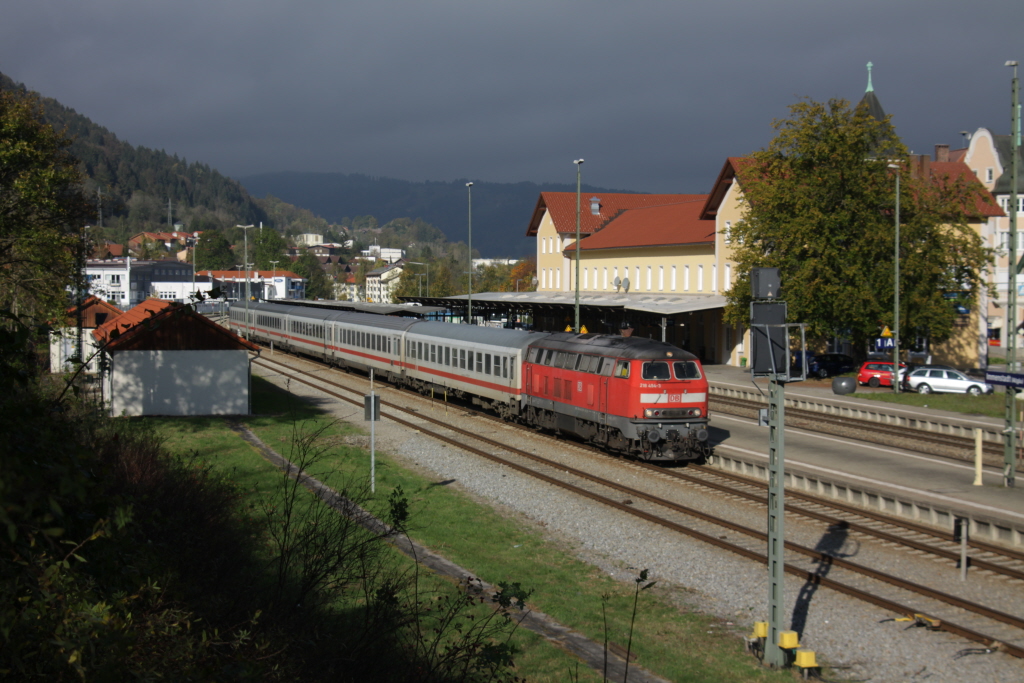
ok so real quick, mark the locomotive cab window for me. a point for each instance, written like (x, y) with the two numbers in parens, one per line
(686, 369)
(622, 369)
(656, 369)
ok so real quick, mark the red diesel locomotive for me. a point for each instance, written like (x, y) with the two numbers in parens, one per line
(646, 398)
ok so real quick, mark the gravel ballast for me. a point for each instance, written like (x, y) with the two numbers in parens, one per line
(848, 634)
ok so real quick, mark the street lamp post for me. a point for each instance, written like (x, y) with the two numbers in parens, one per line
(1010, 433)
(579, 163)
(195, 248)
(245, 262)
(896, 308)
(469, 298)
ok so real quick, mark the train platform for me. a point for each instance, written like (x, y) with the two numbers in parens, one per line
(932, 490)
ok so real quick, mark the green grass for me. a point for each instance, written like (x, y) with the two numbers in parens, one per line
(992, 405)
(679, 645)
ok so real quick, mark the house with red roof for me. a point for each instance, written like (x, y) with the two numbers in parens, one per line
(163, 358)
(989, 157)
(94, 312)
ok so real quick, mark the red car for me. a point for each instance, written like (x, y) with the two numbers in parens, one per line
(876, 373)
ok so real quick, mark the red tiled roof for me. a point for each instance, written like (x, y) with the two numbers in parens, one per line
(155, 316)
(662, 225)
(562, 207)
(730, 169)
(983, 205)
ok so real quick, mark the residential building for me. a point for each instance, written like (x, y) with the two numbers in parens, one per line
(988, 156)
(64, 339)
(382, 282)
(308, 240)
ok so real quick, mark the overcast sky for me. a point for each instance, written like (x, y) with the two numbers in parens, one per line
(653, 95)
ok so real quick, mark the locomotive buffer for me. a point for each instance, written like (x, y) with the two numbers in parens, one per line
(770, 353)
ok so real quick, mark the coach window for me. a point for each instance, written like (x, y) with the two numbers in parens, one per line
(462, 359)
(419, 351)
(447, 355)
(433, 353)
(479, 362)
(504, 367)
(622, 369)
(487, 363)
(531, 357)
(559, 359)
(469, 363)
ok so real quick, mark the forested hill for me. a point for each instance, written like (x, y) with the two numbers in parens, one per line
(136, 182)
(501, 211)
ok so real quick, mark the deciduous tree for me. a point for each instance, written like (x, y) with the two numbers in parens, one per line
(819, 205)
(43, 210)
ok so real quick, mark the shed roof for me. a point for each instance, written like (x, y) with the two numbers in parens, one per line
(156, 325)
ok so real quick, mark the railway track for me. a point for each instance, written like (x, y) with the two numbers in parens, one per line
(918, 440)
(977, 622)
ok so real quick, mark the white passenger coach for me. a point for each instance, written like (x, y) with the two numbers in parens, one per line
(462, 360)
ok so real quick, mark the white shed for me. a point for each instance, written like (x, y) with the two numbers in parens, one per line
(165, 359)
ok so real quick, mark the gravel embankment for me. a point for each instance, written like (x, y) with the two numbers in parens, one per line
(844, 632)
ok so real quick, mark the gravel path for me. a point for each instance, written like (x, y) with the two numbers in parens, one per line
(844, 632)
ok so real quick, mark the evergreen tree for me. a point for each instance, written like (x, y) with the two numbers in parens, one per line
(214, 252)
(270, 246)
(318, 285)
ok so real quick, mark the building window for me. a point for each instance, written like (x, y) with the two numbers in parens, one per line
(714, 277)
(728, 232)
(648, 278)
(586, 279)
(604, 284)
(728, 277)
(673, 278)
(700, 278)
(558, 278)
(686, 278)
(543, 245)
(636, 279)
(661, 278)
(989, 176)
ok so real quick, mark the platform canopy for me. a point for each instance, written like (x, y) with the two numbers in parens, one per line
(662, 305)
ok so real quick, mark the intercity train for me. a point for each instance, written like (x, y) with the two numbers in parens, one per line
(639, 397)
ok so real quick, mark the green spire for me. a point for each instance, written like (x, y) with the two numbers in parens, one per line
(871, 88)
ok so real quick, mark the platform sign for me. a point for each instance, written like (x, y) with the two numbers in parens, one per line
(884, 343)
(1006, 379)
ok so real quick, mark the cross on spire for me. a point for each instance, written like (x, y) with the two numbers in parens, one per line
(870, 87)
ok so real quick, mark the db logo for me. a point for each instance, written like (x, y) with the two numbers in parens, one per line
(579, 386)
(675, 398)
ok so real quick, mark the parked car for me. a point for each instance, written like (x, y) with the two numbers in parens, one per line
(876, 373)
(832, 364)
(927, 380)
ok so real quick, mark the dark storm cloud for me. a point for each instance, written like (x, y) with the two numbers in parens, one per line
(654, 95)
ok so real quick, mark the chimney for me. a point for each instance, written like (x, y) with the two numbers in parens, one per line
(920, 166)
(941, 153)
(595, 206)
